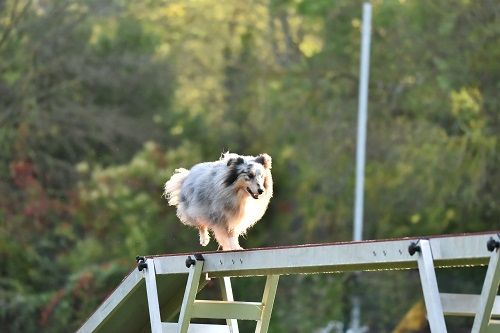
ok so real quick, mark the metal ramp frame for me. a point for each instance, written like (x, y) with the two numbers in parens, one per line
(482, 307)
(191, 308)
(164, 286)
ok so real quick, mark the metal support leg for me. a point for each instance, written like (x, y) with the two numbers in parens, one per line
(195, 269)
(488, 294)
(435, 314)
(152, 293)
(227, 295)
(267, 303)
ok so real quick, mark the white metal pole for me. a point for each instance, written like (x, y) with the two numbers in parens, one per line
(362, 119)
(364, 69)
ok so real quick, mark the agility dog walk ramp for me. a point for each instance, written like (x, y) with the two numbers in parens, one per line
(164, 286)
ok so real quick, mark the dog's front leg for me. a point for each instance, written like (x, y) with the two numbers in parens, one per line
(233, 241)
(204, 236)
(228, 239)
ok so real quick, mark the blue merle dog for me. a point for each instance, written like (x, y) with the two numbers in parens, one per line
(227, 196)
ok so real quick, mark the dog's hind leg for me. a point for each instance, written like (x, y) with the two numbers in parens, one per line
(204, 236)
(226, 238)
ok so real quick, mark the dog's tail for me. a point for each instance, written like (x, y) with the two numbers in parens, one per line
(173, 186)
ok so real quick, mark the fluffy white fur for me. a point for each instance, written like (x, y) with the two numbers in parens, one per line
(227, 196)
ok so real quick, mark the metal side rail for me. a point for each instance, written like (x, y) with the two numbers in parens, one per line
(482, 321)
(435, 314)
(166, 285)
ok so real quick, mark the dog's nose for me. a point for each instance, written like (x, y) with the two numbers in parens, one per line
(260, 191)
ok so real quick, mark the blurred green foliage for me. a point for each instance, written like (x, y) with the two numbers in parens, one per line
(101, 100)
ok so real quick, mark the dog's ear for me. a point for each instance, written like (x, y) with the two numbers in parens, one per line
(235, 161)
(265, 160)
(232, 171)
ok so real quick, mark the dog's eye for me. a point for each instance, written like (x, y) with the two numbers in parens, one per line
(251, 175)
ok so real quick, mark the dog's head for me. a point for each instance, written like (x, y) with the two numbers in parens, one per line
(250, 174)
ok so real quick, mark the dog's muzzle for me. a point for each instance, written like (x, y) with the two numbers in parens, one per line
(254, 195)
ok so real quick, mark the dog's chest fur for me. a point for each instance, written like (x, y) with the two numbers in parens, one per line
(245, 212)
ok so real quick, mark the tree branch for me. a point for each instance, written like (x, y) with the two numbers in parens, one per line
(13, 20)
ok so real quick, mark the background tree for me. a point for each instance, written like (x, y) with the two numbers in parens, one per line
(101, 101)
